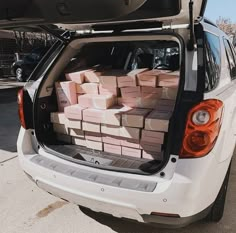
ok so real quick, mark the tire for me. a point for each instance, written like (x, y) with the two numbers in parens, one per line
(19, 74)
(217, 210)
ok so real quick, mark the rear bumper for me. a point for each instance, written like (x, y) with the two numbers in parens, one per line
(183, 193)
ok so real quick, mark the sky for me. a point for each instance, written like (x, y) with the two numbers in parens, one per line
(224, 8)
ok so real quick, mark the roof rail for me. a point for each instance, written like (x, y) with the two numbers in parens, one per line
(208, 21)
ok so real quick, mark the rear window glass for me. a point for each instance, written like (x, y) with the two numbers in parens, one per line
(212, 61)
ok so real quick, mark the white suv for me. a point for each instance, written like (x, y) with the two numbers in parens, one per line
(189, 182)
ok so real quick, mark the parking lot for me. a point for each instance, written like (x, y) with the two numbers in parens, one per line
(25, 208)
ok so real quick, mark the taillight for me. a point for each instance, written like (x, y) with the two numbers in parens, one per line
(202, 128)
(20, 100)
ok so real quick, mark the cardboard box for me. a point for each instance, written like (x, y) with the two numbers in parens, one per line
(64, 138)
(137, 153)
(74, 112)
(77, 77)
(91, 127)
(112, 116)
(93, 115)
(152, 137)
(113, 149)
(158, 121)
(87, 88)
(169, 93)
(108, 80)
(133, 143)
(76, 133)
(114, 140)
(139, 102)
(130, 92)
(79, 141)
(165, 105)
(66, 94)
(108, 90)
(152, 155)
(58, 117)
(110, 130)
(93, 136)
(170, 79)
(148, 78)
(91, 77)
(128, 132)
(135, 117)
(61, 129)
(96, 101)
(151, 92)
(94, 145)
(131, 79)
(148, 146)
(73, 124)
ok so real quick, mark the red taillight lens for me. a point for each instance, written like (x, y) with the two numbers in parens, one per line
(20, 100)
(202, 129)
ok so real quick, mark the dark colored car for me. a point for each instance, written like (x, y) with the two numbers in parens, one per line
(23, 68)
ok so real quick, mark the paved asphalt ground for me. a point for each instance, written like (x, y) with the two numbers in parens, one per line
(24, 208)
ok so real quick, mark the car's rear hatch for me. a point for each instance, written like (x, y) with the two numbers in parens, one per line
(37, 12)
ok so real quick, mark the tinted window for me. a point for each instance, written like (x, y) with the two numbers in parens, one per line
(230, 58)
(212, 61)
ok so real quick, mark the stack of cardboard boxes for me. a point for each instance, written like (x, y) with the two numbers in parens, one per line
(115, 111)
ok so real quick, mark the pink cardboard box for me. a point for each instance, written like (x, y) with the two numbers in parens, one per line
(112, 116)
(78, 133)
(61, 129)
(93, 136)
(130, 92)
(64, 138)
(58, 117)
(77, 77)
(131, 152)
(66, 94)
(91, 127)
(87, 88)
(169, 93)
(170, 79)
(91, 77)
(148, 79)
(165, 105)
(139, 102)
(133, 143)
(151, 92)
(96, 101)
(110, 130)
(93, 115)
(148, 146)
(74, 112)
(152, 155)
(73, 124)
(108, 80)
(128, 132)
(129, 80)
(94, 145)
(152, 136)
(79, 141)
(109, 90)
(114, 140)
(135, 117)
(113, 149)
(158, 121)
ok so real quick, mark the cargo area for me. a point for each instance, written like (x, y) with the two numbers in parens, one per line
(109, 104)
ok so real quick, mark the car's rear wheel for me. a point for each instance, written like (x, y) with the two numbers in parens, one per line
(19, 74)
(217, 210)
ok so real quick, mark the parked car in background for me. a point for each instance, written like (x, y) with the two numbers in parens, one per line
(22, 68)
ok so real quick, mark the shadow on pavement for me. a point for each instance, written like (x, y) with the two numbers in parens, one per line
(9, 123)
